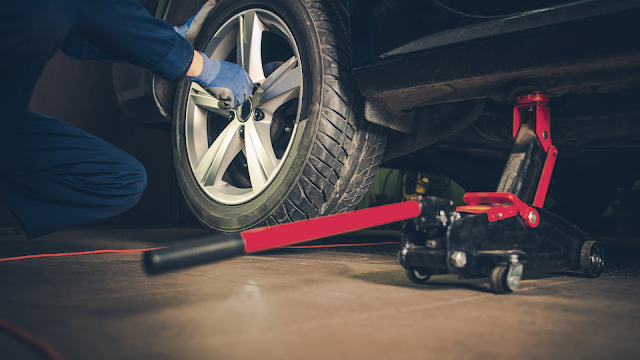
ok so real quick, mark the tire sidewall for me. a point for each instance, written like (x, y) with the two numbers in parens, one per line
(239, 217)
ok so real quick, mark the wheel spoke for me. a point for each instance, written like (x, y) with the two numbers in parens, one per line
(250, 45)
(246, 141)
(204, 100)
(220, 154)
(257, 176)
(258, 134)
(282, 85)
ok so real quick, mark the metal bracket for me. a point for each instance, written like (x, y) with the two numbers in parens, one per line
(499, 206)
(375, 112)
(545, 177)
(524, 105)
(502, 205)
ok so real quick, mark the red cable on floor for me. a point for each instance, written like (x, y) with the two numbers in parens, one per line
(143, 250)
(76, 253)
(49, 351)
(43, 347)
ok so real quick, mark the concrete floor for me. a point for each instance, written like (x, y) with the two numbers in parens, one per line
(303, 304)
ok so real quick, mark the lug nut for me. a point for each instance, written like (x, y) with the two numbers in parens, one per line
(258, 115)
(459, 259)
(432, 244)
(232, 116)
(241, 132)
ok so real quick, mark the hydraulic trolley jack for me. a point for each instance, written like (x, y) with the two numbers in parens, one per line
(496, 234)
(503, 233)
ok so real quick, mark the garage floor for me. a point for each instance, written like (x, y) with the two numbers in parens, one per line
(303, 304)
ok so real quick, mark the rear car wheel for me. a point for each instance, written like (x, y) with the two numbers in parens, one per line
(298, 148)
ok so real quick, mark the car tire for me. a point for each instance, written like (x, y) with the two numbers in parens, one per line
(330, 155)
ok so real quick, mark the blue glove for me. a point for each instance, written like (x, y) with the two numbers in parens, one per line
(182, 30)
(224, 80)
(192, 27)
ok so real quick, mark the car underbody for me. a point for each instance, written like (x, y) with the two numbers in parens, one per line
(442, 77)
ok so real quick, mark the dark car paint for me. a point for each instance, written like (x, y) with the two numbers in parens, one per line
(470, 58)
(411, 53)
(450, 52)
(378, 26)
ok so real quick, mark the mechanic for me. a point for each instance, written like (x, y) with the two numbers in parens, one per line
(53, 175)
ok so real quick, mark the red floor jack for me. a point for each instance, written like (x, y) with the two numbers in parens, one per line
(496, 234)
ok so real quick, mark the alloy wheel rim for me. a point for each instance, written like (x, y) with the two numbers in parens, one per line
(238, 161)
(595, 259)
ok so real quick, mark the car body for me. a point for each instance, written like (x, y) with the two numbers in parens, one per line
(440, 78)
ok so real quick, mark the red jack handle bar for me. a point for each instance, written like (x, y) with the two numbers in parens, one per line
(223, 246)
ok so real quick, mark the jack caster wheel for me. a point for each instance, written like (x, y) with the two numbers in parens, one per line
(418, 276)
(505, 279)
(591, 259)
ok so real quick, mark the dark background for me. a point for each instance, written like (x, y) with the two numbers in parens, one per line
(81, 93)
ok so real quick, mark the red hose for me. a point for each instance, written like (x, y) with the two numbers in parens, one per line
(76, 253)
(35, 342)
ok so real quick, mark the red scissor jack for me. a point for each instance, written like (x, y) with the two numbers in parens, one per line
(496, 234)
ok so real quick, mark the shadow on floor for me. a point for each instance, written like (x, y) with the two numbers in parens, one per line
(397, 277)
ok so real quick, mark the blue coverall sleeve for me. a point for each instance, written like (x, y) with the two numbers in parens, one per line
(81, 49)
(124, 30)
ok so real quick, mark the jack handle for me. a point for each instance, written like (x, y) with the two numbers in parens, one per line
(218, 247)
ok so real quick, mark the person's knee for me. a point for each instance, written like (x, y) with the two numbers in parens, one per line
(133, 183)
(116, 185)
(41, 28)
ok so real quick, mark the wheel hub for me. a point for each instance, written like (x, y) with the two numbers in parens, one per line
(244, 111)
(596, 260)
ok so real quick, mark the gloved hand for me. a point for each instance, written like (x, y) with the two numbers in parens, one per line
(192, 27)
(224, 80)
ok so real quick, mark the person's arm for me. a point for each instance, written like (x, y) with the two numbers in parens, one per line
(126, 31)
(196, 65)
(81, 49)
(143, 40)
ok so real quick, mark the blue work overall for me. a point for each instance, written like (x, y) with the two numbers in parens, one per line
(53, 175)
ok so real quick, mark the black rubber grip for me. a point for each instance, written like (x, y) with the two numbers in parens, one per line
(194, 252)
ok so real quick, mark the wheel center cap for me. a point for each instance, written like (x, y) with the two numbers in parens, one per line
(244, 111)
